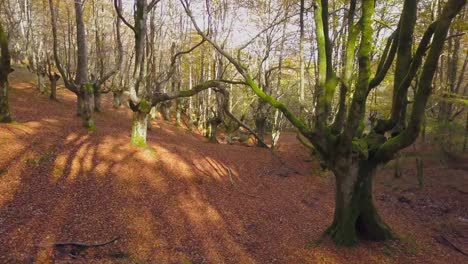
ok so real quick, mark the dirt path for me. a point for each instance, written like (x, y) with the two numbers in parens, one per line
(183, 200)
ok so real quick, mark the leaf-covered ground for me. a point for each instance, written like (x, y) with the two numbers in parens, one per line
(184, 200)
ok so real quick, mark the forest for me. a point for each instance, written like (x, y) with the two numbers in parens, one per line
(233, 131)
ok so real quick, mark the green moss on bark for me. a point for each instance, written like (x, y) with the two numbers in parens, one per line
(144, 106)
(139, 128)
(356, 216)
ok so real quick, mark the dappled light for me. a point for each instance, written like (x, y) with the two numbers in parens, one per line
(180, 199)
(201, 131)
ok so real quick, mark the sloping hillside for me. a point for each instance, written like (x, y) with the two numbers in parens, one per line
(184, 200)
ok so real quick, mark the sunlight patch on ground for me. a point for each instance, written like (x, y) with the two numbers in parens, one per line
(141, 225)
(102, 168)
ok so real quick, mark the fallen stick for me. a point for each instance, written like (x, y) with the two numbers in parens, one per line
(75, 248)
(443, 240)
(230, 176)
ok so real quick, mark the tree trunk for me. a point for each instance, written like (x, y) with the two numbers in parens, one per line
(79, 108)
(260, 127)
(301, 54)
(178, 112)
(355, 213)
(276, 129)
(87, 99)
(165, 108)
(465, 141)
(139, 129)
(117, 99)
(420, 172)
(213, 124)
(5, 69)
(97, 99)
(40, 85)
(4, 106)
(53, 88)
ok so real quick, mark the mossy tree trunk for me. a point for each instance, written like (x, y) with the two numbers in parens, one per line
(179, 109)
(355, 213)
(139, 128)
(5, 70)
(85, 90)
(82, 86)
(337, 145)
(87, 102)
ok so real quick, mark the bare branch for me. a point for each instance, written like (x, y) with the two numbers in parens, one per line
(153, 4)
(118, 6)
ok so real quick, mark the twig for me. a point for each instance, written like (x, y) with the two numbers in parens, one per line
(443, 240)
(230, 176)
(75, 248)
(248, 194)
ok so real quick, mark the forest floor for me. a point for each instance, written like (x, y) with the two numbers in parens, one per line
(184, 200)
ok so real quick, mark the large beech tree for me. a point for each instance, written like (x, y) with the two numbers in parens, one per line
(82, 85)
(353, 156)
(5, 70)
(145, 94)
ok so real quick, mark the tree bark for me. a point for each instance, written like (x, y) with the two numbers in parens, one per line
(465, 140)
(179, 107)
(86, 89)
(139, 129)
(5, 70)
(79, 108)
(165, 108)
(355, 214)
(97, 98)
(53, 86)
(117, 99)
(260, 128)
(87, 98)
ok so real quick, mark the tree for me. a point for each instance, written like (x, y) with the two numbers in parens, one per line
(352, 155)
(146, 93)
(81, 85)
(5, 70)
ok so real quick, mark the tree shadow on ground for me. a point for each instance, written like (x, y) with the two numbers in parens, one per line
(182, 199)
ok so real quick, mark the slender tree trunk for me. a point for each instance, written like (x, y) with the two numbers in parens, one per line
(5, 69)
(86, 89)
(420, 172)
(117, 99)
(301, 55)
(87, 100)
(178, 112)
(5, 116)
(260, 128)
(465, 141)
(40, 85)
(355, 213)
(97, 99)
(276, 129)
(53, 87)
(213, 124)
(165, 108)
(79, 108)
